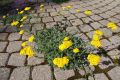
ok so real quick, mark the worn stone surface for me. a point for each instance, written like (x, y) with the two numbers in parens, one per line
(4, 73)
(114, 73)
(72, 30)
(16, 60)
(63, 74)
(3, 46)
(3, 36)
(14, 36)
(3, 58)
(21, 73)
(41, 72)
(14, 46)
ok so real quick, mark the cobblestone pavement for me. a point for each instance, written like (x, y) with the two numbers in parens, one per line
(16, 67)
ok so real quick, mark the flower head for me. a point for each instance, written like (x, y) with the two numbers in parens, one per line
(96, 44)
(77, 10)
(76, 50)
(23, 18)
(31, 38)
(4, 17)
(21, 12)
(93, 59)
(24, 44)
(21, 32)
(66, 38)
(88, 12)
(112, 25)
(14, 23)
(27, 8)
(98, 32)
(96, 37)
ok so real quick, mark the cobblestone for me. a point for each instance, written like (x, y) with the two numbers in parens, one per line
(45, 70)
(76, 22)
(85, 28)
(3, 46)
(47, 19)
(3, 36)
(16, 60)
(21, 73)
(14, 36)
(72, 30)
(114, 73)
(3, 58)
(4, 73)
(14, 46)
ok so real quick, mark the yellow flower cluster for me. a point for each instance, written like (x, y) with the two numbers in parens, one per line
(112, 25)
(65, 44)
(27, 51)
(23, 18)
(41, 7)
(14, 23)
(61, 62)
(88, 12)
(27, 8)
(76, 50)
(93, 59)
(96, 39)
(31, 38)
(21, 32)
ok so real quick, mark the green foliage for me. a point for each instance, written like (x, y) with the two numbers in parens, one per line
(60, 1)
(48, 42)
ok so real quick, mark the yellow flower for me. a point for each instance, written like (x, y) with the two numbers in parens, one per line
(88, 12)
(96, 37)
(21, 12)
(41, 9)
(24, 44)
(31, 38)
(27, 8)
(93, 59)
(21, 25)
(68, 7)
(23, 18)
(77, 10)
(14, 23)
(21, 32)
(112, 25)
(98, 32)
(96, 44)
(61, 62)
(66, 38)
(4, 17)
(62, 47)
(27, 51)
(76, 50)
(41, 6)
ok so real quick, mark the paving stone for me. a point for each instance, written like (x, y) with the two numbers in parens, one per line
(16, 60)
(100, 76)
(3, 58)
(47, 19)
(85, 28)
(105, 43)
(114, 53)
(51, 10)
(104, 15)
(115, 39)
(14, 46)
(104, 22)
(96, 17)
(2, 28)
(11, 29)
(105, 63)
(80, 15)
(41, 72)
(106, 32)
(25, 36)
(76, 22)
(3, 36)
(35, 61)
(14, 36)
(114, 73)
(35, 20)
(37, 27)
(72, 30)
(96, 25)
(43, 14)
(20, 73)
(26, 27)
(69, 17)
(87, 20)
(115, 20)
(54, 14)
(4, 73)
(90, 34)
(3, 45)
(50, 25)
(63, 74)
(58, 18)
